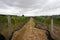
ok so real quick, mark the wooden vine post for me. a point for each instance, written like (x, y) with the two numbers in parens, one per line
(9, 24)
(51, 27)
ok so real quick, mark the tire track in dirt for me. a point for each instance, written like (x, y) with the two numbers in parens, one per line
(29, 32)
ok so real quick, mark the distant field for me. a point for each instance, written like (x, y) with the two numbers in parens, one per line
(47, 21)
(18, 22)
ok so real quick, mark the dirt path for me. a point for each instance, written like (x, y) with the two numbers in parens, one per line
(29, 32)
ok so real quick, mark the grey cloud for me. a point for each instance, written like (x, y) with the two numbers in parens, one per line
(20, 3)
(2, 5)
(52, 6)
(29, 5)
(25, 3)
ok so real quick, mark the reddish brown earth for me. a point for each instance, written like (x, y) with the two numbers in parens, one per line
(29, 32)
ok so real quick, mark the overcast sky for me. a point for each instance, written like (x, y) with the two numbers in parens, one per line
(30, 7)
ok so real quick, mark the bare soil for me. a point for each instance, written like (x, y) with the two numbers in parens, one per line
(29, 32)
